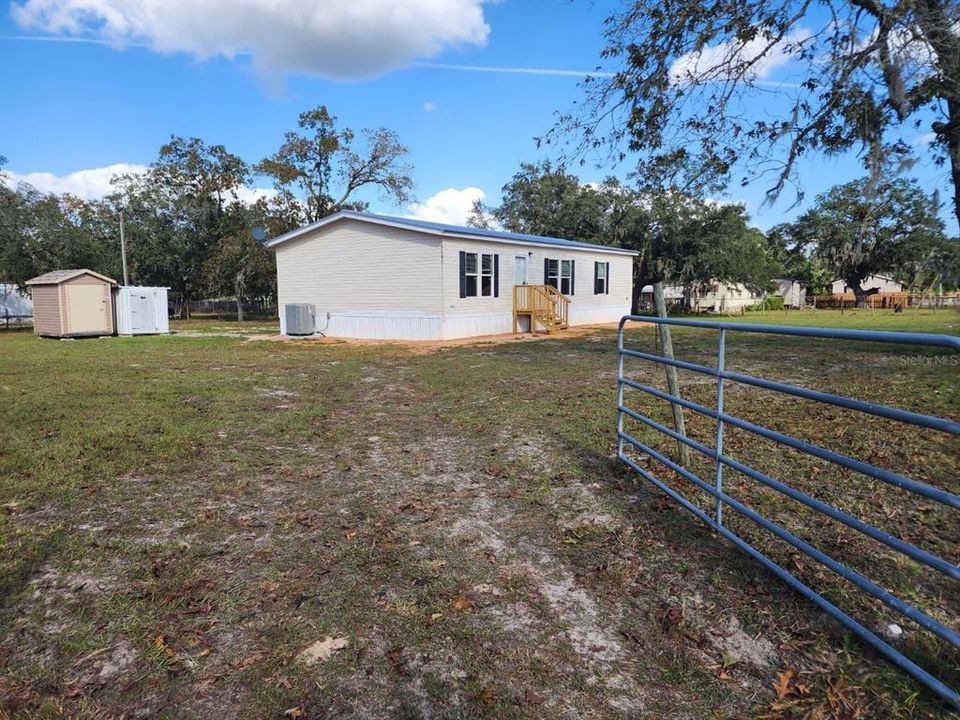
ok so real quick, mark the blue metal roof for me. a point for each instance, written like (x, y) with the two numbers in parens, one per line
(453, 230)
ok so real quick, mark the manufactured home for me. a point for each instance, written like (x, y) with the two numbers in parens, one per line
(381, 277)
(794, 294)
(715, 297)
(881, 283)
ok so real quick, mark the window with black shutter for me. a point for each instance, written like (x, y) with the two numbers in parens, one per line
(601, 282)
(566, 276)
(479, 275)
(486, 275)
(471, 272)
(551, 273)
(560, 274)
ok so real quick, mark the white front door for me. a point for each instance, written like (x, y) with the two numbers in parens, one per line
(520, 270)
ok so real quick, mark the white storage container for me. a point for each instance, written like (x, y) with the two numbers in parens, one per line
(141, 310)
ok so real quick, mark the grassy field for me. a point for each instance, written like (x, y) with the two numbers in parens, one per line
(209, 525)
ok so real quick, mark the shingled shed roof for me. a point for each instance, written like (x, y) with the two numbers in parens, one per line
(55, 277)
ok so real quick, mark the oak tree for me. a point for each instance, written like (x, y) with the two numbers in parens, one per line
(694, 92)
(322, 164)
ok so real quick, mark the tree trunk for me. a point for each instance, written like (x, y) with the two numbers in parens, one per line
(952, 132)
(185, 308)
(936, 21)
(860, 294)
(239, 285)
(673, 383)
(637, 291)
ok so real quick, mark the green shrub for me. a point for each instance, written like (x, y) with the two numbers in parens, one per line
(771, 303)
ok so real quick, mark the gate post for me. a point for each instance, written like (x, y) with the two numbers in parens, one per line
(718, 445)
(620, 389)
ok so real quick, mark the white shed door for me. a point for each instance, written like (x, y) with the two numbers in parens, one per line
(142, 313)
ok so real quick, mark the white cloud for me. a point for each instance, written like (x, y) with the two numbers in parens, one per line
(430, 106)
(249, 195)
(343, 40)
(91, 184)
(450, 206)
(94, 184)
(710, 62)
(924, 139)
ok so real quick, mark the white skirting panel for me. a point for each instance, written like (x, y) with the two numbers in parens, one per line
(376, 324)
(591, 314)
(397, 325)
(460, 326)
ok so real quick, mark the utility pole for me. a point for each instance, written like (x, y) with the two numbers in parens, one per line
(123, 251)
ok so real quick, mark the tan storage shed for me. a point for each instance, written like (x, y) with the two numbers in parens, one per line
(72, 303)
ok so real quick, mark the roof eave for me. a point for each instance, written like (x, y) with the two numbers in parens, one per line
(350, 215)
(57, 281)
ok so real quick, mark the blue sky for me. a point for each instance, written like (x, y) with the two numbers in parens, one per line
(76, 106)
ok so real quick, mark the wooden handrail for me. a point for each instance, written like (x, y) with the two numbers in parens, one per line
(543, 303)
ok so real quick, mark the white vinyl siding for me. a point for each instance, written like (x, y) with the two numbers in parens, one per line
(377, 281)
(352, 265)
(466, 316)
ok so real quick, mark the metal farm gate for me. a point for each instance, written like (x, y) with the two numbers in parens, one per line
(720, 460)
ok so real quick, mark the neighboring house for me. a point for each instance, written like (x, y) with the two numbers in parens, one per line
(717, 297)
(793, 293)
(374, 276)
(881, 282)
(726, 298)
(672, 294)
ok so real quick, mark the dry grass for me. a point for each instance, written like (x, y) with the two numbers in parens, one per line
(184, 516)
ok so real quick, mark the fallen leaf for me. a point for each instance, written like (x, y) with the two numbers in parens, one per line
(487, 696)
(322, 650)
(293, 713)
(674, 615)
(248, 660)
(397, 661)
(160, 643)
(782, 684)
(462, 603)
(532, 698)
